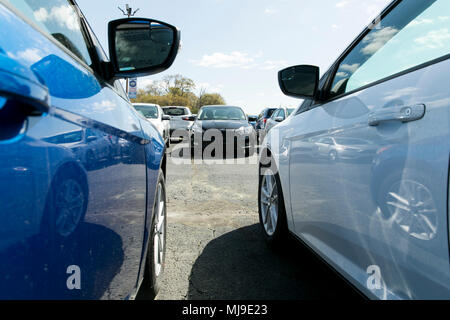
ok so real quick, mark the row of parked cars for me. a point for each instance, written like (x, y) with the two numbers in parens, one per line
(359, 172)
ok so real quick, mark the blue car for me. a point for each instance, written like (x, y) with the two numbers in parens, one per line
(82, 191)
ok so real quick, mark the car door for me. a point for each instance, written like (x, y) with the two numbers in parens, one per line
(383, 214)
(78, 229)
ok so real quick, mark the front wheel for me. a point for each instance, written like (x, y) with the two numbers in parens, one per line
(272, 213)
(157, 244)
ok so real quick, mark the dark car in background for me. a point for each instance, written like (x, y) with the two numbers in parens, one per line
(76, 220)
(262, 120)
(222, 131)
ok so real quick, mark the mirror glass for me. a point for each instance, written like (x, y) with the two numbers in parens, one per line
(300, 80)
(143, 44)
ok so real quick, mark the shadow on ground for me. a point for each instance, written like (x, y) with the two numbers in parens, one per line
(239, 265)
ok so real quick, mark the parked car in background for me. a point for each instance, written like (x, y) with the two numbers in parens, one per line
(262, 120)
(156, 116)
(252, 120)
(278, 116)
(360, 173)
(77, 222)
(224, 129)
(179, 120)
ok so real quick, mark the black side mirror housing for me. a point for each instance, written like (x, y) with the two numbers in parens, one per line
(299, 81)
(165, 118)
(252, 118)
(141, 47)
(279, 119)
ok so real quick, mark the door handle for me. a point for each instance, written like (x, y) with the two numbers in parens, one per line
(19, 99)
(402, 114)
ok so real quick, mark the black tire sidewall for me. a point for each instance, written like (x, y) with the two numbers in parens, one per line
(155, 281)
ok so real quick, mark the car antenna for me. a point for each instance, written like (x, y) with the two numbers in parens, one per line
(129, 13)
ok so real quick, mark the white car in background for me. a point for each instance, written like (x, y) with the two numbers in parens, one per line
(154, 114)
(181, 119)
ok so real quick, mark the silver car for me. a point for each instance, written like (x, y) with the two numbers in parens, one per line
(360, 172)
(278, 116)
(180, 120)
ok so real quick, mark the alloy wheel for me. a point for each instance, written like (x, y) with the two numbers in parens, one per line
(159, 230)
(69, 207)
(269, 203)
(413, 209)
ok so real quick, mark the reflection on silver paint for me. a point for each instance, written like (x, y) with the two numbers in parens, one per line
(362, 195)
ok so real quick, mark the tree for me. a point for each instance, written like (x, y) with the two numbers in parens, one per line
(176, 90)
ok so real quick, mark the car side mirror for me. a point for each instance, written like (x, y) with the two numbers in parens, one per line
(279, 119)
(165, 118)
(299, 81)
(141, 47)
(252, 119)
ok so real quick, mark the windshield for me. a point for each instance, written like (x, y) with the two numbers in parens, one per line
(149, 111)
(289, 111)
(222, 113)
(270, 112)
(175, 111)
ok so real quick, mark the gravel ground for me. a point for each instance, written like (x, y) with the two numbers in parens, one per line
(215, 248)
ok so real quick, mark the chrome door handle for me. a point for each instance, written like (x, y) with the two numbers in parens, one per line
(403, 114)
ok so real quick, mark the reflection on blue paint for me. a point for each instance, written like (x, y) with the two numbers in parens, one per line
(2, 102)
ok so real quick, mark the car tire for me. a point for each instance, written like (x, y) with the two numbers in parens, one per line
(275, 229)
(155, 261)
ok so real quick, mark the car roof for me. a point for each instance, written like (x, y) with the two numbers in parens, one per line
(145, 104)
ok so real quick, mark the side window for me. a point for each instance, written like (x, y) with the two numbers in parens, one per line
(59, 19)
(413, 33)
(275, 114)
(281, 113)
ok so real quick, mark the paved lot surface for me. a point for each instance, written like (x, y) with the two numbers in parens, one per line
(215, 249)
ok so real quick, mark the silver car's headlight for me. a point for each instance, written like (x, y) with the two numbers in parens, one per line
(197, 128)
(245, 130)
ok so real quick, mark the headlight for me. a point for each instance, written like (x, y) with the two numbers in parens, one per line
(197, 128)
(245, 130)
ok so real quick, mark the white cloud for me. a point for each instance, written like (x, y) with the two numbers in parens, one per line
(349, 67)
(400, 93)
(271, 10)
(209, 87)
(63, 15)
(342, 3)
(417, 22)
(274, 64)
(29, 55)
(377, 39)
(223, 60)
(143, 83)
(434, 39)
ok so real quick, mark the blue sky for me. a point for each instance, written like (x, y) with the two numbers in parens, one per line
(236, 47)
